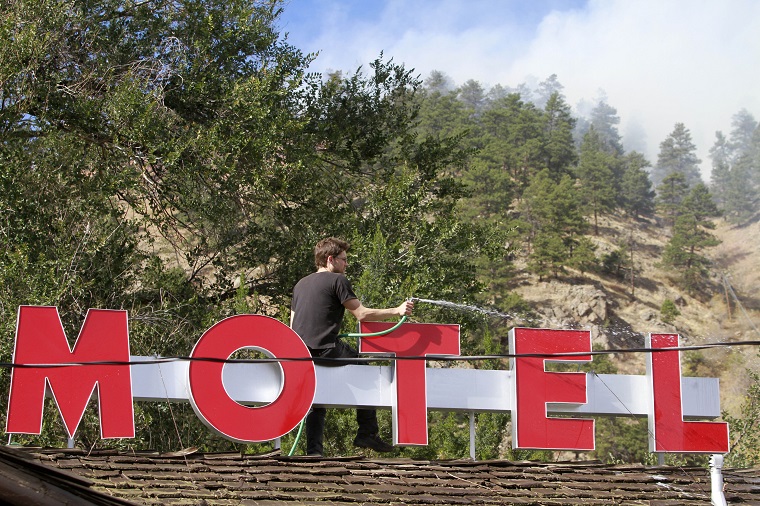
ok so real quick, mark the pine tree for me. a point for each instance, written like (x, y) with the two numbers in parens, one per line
(595, 175)
(691, 236)
(513, 128)
(754, 153)
(741, 196)
(700, 204)
(677, 154)
(535, 206)
(438, 82)
(558, 124)
(636, 193)
(734, 166)
(473, 96)
(720, 176)
(546, 90)
(549, 255)
(670, 194)
(584, 255)
(441, 114)
(554, 212)
(604, 119)
(743, 126)
(742, 199)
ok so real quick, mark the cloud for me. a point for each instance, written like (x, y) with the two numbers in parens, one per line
(658, 62)
(459, 37)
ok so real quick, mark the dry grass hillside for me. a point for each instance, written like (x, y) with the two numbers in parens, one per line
(619, 314)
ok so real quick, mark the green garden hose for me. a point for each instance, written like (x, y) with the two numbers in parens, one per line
(298, 437)
(373, 334)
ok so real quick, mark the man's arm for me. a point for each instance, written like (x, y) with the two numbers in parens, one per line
(364, 314)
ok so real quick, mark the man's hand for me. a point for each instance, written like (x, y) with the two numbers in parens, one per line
(406, 308)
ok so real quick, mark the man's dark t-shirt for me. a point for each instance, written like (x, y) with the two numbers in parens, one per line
(318, 308)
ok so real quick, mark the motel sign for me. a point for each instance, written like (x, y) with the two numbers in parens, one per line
(262, 401)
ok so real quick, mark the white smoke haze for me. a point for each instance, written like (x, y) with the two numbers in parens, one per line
(658, 62)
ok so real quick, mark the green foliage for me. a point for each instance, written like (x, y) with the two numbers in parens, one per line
(489, 435)
(721, 177)
(584, 256)
(412, 245)
(616, 262)
(604, 119)
(510, 138)
(596, 176)
(670, 195)
(668, 311)
(735, 169)
(548, 257)
(558, 126)
(691, 236)
(745, 436)
(622, 440)
(636, 193)
(677, 155)
(177, 161)
(554, 212)
(699, 204)
(451, 437)
(512, 132)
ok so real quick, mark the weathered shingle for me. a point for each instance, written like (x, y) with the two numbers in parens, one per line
(221, 479)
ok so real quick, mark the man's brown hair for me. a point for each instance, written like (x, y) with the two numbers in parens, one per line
(329, 247)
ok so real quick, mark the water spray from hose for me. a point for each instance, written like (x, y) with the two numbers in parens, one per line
(465, 307)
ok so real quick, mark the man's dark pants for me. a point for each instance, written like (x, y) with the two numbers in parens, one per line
(315, 420)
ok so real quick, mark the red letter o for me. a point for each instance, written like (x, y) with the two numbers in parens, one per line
(213, 404)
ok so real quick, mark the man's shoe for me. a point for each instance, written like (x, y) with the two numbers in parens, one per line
(314, 454)
(373, 443)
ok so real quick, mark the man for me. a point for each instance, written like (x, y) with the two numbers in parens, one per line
(319, 303)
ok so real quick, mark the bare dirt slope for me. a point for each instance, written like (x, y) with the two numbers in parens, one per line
(619, 314)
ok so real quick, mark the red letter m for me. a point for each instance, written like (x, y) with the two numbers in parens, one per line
(40, 339)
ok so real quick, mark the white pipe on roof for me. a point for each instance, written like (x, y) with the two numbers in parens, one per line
(716, 479)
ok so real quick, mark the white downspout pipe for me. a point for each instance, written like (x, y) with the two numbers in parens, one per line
(716, 479)
(472, 436)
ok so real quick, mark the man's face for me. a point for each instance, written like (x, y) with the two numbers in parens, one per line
(338, 263)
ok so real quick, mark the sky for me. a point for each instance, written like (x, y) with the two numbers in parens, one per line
(658, 62)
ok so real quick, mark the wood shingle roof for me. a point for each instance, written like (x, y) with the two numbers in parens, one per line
(230, 478)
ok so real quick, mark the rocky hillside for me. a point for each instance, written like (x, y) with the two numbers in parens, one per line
(619, 314)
